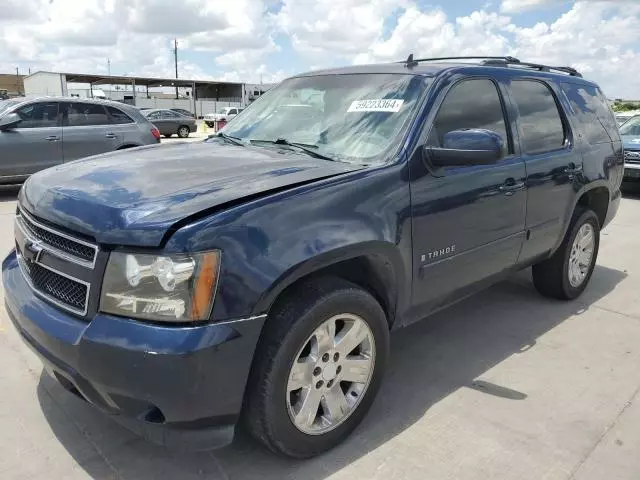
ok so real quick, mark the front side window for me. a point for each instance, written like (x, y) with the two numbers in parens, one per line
(469, 104)
(352, 117)
(631, 127)
(38, 115)
(540, 120)
(85, 115)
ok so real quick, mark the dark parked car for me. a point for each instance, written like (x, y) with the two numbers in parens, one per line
(182, 111)
(170, 122)
(630, 132)
(39, 133)
(256, 277)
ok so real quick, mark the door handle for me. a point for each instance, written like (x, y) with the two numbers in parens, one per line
(511, 186)
(110, 135)
(52, 138)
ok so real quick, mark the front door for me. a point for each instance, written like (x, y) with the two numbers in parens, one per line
(468, 222)
(33, 144)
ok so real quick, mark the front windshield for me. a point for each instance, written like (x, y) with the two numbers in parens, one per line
(7, 104)
(356, 118)
(631, 127)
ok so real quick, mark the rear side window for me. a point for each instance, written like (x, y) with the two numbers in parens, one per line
(469, 104)
(85, 115)
(118, 116)
(38, 115)
(540, 120)
(590, 106)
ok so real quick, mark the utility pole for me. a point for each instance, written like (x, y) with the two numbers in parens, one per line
(18, 79)
(175, 58)
(109, 73)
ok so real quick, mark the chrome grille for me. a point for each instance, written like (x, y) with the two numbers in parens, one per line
(83, 252)
(70, 293)
(631, 157)
(55, 280)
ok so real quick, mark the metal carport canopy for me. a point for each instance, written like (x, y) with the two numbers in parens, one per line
(140, 81)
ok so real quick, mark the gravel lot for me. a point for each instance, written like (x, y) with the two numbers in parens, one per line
(505, 385)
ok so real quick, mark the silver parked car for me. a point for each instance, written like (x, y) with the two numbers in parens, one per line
(39, 133)
(170, 122)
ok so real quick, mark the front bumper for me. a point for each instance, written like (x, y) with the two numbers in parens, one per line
(631, 171)
(177, 386)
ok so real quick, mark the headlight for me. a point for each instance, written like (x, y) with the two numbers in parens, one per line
(168, 288)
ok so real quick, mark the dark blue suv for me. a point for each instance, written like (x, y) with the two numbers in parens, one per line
(256, 276)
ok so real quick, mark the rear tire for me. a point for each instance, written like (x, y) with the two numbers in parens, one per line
(567, 273)
(274, 404)
(183, 132)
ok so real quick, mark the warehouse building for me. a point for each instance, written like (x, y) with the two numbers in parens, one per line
(198, 96)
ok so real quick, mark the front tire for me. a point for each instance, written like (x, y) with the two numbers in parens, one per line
(567, 273)
(317, 369)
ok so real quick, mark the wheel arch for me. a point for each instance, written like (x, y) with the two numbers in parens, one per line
(374, 266)
(595, 196)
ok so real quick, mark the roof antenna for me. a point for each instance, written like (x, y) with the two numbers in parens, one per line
(411, 62)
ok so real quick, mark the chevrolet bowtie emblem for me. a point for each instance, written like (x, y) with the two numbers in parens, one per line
(32, 251)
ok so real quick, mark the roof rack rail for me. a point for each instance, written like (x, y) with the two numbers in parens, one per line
(495, 61)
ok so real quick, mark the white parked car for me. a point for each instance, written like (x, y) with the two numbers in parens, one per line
(227, 114)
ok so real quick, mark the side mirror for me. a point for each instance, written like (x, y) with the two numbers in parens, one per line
(9, 121)
(467, 147)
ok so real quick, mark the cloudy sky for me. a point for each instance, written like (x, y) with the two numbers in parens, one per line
(250, 40)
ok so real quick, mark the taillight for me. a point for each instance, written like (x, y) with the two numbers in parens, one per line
(156, 133)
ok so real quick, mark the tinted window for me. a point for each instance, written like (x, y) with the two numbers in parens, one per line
(593, 112)
(169, 114)
(631, 127)
(118, 116)
(470, 104)
(540, 120)
(233, 111)
(38, 115)
(153, 115)
(85, 114)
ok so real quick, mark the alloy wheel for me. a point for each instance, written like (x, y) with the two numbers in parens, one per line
(330, 374)
(581, 255)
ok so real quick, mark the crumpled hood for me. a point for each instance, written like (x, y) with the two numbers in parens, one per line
(133, 197)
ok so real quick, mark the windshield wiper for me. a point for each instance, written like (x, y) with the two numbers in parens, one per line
(307, 148)
(229, 138)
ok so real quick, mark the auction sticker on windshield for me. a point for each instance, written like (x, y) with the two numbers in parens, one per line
(376, 105)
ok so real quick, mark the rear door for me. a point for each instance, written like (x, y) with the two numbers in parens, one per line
(553, 162)
(172, 121)
(156, 119)
(86, 130)
(34, 144)
(123, 126)
(164, 120)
